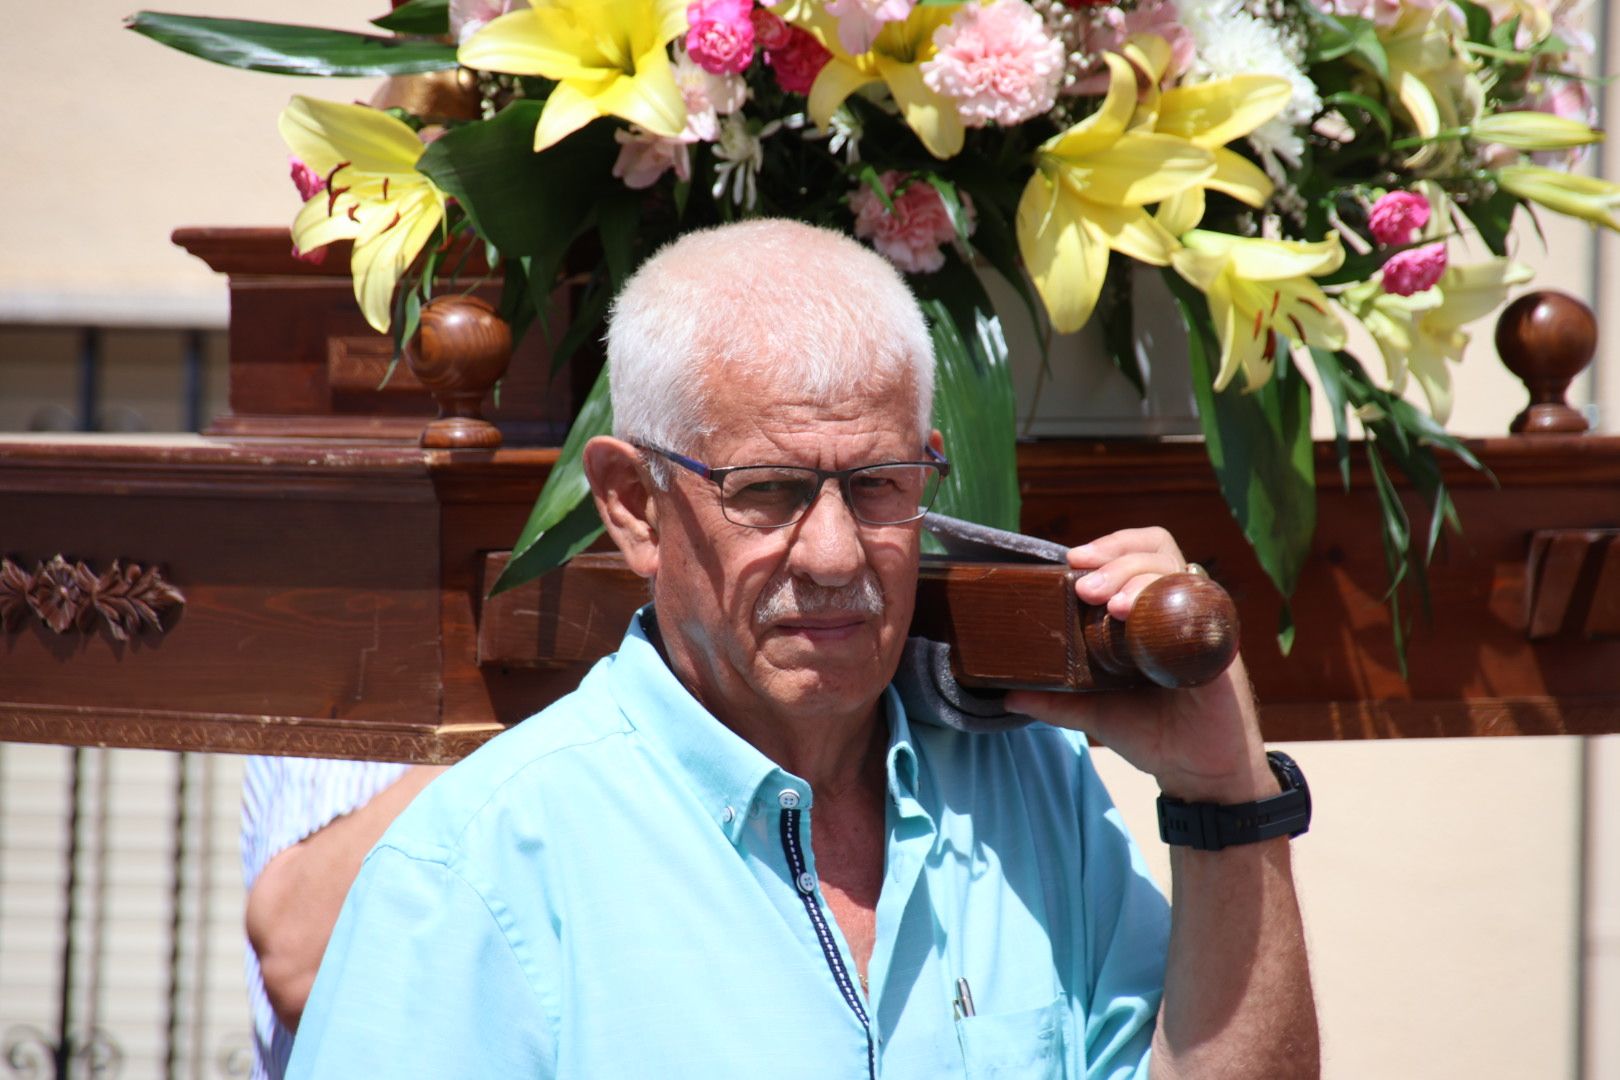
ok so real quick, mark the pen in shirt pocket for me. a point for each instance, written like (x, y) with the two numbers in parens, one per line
(963, 1005)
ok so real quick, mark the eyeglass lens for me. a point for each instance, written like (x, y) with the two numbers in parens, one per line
(769, 496)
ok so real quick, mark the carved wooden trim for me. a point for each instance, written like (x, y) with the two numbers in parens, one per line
(71, 596)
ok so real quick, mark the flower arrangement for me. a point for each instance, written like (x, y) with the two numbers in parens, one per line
(1292, 167)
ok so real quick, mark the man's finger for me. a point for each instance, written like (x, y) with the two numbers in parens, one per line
(1105, 581)
(1091, 555)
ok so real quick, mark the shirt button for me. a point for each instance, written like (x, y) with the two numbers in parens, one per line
(807, 883)
(728, 815)
(789, 799)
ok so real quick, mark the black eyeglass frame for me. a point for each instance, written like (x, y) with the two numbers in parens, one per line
(717, 476)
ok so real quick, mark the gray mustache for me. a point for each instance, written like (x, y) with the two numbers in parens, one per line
(791, 597)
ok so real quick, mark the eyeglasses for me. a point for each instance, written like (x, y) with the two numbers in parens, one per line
(774, 496)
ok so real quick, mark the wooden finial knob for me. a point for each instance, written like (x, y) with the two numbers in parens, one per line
(460, 349)
(1183, 631)
(1546, 339)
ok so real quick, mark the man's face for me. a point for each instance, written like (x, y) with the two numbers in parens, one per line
(806, 619)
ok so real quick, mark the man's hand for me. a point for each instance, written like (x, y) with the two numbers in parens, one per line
(1203, 744)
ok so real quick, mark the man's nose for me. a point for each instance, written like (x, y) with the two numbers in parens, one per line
(826, 544)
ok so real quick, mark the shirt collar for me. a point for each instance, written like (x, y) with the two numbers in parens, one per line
(728, 773)
(725, 771)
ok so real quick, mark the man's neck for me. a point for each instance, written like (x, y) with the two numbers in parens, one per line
(834, 752)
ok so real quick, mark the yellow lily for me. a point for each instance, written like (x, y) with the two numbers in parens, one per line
(1089, 194)
(1530, 130)
(1419, 334)
(608, 58)
(895, 60)
(1208, 114)
(1429, 78)
(374, 195)
(1585, 197)
(1257, 287)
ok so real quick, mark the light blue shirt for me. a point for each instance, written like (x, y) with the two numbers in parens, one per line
(622, 887)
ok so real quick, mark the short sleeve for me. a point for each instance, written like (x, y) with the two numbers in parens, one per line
(467, 1007)
(1127, 939)
(285, 800)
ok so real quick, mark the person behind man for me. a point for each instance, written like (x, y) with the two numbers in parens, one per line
(733, 851)
(306, 825)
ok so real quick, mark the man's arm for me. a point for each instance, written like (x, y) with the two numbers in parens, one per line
(294, 904)
(1237, 998)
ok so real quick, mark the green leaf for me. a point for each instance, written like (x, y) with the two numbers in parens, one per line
(292, 50)
(1117, 314)
(526, 204)
(952, 201)
(1493, 217)
(1259, 443)
(558, 526)
(620, 217)
(1331, 377)
(1478, 20)
(586, 320)
(974, 411)
(428, 18)
(1343, 35)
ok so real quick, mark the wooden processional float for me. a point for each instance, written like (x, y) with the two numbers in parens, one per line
(312, 575)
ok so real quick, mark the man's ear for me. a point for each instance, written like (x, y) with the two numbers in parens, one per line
(937, 441)
(624, 498)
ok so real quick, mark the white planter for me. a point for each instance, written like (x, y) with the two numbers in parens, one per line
(1082, 393)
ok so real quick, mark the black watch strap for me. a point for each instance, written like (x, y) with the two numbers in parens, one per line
(1211, 826)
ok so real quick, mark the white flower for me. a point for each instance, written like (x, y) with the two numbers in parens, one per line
(740, 154)
(1230, 41)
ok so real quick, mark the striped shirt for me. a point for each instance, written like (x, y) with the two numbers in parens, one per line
(285, 800)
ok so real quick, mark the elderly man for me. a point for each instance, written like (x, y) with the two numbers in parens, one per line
(732, 852)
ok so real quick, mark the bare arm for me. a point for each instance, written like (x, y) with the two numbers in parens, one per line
(1237, 998)
(295, 902)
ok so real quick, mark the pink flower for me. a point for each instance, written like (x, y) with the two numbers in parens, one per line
(1413, 271)
(1396, 215)
(798, 62)
(860, 21)
(721, 37)
(467, 17)
(644, 157)
(308, 182)
(1106, 30)
(770, 30)
(910, 236)
(997, 63)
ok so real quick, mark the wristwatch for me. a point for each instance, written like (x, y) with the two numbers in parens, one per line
(1211, 826)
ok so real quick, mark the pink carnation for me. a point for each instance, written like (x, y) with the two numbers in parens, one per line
(909, 236)
(1396, 216)
(721, 38)
(997, 63)
(798, 62)
(770, 30)
(1413, 271)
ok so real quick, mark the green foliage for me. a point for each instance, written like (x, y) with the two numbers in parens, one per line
(1259, 442)
(564, 521)
(974, 411)
(526, 204)
(428, 18)
(292, 50)
(1401, 434)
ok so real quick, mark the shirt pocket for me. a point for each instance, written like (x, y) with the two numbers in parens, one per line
(1026, 1045)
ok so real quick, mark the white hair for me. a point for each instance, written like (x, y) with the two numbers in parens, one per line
(813, 310)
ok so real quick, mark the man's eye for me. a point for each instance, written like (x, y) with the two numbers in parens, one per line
(867, 482)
